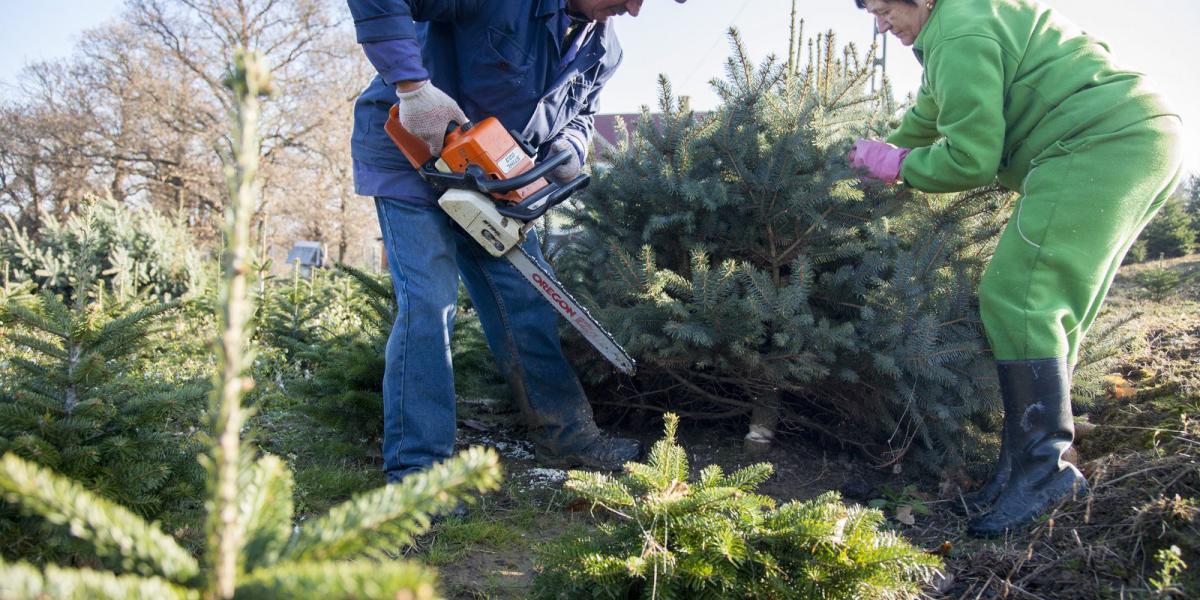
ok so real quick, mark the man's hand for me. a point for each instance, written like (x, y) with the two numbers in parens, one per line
(425, 111)
(881, 160)
(568, 170)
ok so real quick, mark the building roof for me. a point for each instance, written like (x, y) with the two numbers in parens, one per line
(606, 125)
(307, 253)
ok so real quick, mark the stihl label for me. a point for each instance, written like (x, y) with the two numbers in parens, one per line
(510, 160)
(552, 294)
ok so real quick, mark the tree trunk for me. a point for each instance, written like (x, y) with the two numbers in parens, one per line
(763, 421)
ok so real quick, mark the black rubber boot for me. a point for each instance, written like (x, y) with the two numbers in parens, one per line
(1037, 405)
(986, 495)
(982, 498)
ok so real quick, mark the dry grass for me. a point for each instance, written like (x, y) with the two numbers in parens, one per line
(1103, 546)
(1142, 459)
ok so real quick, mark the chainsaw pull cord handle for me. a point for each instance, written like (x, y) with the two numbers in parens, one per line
(454, 129)
(452, 132)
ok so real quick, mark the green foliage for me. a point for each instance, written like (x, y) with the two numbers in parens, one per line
(1172, 565)
(26, 581)
(77, 402)
(1158, 283)
(1171, 232)
(714, 537)
(322, 484)
(132, 251)
(1191, 198)
(346, 581)
(1108, 344)
(1137, 252)
(907, 499)
(740, 260)
(119, 538)
(12, 291)
(333, 332)
(275, 558)
(457, 537)
(254, 549)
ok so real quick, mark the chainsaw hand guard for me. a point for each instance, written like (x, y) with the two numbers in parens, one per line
(545, 199)
(474, 178)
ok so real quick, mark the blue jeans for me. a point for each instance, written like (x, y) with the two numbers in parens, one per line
(426, 253)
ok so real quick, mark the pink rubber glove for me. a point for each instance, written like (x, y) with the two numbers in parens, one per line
(881, 159)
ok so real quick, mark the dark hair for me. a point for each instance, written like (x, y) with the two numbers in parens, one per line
(863, 3)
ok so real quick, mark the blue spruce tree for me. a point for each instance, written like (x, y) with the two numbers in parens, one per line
(751, 272)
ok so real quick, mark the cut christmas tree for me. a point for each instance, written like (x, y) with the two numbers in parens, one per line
(754, 275)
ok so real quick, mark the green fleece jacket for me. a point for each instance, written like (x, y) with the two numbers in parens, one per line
(1003, 81)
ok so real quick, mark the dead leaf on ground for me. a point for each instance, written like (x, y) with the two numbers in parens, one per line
(942, 550)
(578, 505)
(1119, 388)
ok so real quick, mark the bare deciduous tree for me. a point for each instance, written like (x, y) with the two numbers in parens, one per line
(139, 112)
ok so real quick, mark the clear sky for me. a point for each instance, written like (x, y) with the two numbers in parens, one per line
(688, 43)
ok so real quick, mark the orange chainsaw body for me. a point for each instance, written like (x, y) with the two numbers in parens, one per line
(486, 144)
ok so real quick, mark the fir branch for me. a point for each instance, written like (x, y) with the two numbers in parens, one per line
(709, 540)
(249, 79)
(114, 532)
(22, 581)
(338, 581)
(390, 516)
(265, 500)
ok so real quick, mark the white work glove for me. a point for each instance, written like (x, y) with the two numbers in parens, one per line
(568, 170)
(426, 111)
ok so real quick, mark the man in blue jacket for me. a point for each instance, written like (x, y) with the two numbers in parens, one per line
(538, 66)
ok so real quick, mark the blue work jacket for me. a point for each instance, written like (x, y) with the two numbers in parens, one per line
(501, 58)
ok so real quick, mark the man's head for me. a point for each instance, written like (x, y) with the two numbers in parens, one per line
(903, 18)
(599, 10)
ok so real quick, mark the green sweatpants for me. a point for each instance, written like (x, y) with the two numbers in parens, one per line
(1082, 206)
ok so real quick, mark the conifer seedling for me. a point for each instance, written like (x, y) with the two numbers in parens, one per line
(661, 534)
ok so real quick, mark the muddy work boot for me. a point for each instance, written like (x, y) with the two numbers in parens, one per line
(561, 424)
(605, 453)
(459, 511)
(1037, 396)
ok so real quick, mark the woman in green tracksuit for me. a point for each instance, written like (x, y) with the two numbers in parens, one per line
(1011, 91)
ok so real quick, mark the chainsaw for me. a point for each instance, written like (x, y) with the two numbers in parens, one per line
(493, 190)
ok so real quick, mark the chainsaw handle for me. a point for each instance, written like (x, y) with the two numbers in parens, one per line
(548, 197)
(474, 178)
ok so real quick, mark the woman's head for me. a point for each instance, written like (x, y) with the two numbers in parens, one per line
(903, 18)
